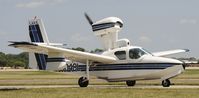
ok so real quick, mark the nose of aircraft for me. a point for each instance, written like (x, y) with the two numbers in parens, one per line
(181, 63)
(173, 61)
(154, 59)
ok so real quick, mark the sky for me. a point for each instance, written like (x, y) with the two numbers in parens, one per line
(156, 25)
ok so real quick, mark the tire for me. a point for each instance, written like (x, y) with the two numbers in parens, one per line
(83, 82)
(130, 82)
(166, 83)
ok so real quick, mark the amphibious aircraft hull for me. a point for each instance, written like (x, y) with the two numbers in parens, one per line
(124, 72)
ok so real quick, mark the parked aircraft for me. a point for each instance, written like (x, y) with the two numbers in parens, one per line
(120, 60)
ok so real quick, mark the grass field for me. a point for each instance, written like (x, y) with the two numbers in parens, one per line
(100, 93)
(189, 77)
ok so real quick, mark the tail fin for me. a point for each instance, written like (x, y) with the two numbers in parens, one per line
(37, 31)
(38, 34)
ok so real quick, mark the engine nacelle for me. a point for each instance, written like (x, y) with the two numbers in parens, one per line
(110, 24)
(107, 30)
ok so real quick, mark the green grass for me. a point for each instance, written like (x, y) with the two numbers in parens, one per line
(192, 71)
(100, 93)
(189, 77)
(6, 75)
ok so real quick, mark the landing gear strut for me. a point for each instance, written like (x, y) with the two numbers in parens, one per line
(130, 82)
(166, 83)
(83, 82)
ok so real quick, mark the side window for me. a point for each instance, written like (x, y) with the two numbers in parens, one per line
(121, 55)
(136, 53)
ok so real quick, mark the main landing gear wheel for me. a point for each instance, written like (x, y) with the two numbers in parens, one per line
(166, 83)
(83, 82)
(130, 82)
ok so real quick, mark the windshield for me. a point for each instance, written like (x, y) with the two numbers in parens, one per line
(147, 51)
(136, 53)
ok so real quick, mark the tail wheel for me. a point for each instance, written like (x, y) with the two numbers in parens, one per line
(83, 82)
(130, 82)
(166, 83)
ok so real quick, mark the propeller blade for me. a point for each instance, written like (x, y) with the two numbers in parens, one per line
(88, 18)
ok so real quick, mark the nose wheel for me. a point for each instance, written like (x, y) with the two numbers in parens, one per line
(166, 83)
(83, 82)
(130, 82)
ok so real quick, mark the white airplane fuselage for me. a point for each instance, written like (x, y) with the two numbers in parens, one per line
(144, 66)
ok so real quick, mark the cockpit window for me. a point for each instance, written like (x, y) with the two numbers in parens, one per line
(121, 55)
(136, 53)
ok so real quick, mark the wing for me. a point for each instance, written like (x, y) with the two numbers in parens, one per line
(165, 53)
(73, 55)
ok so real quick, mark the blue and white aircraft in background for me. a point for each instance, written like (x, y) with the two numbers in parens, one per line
(119, 62)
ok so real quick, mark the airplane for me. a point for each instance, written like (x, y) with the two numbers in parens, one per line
(119, 62)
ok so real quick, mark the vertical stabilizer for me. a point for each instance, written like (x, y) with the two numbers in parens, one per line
(37, 31)
(37, 34)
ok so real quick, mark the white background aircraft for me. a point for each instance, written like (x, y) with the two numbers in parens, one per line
(119, 62)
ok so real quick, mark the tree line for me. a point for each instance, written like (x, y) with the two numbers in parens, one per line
(14, 60)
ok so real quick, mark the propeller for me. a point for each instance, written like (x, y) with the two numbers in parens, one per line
(88, 19)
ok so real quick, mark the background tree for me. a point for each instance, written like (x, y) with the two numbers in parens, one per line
(97, 50)
(79, 49)
(14, 60)
(3, 60)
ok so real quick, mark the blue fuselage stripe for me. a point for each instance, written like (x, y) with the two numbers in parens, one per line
(56, 60)
(120, 67)
(102, 26)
